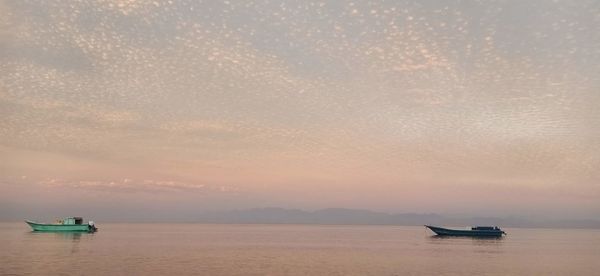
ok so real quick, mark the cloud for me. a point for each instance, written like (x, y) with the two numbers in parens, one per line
(288, 94)
(129, 185)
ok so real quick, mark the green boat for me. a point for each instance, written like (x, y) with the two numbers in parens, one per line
(70, 224)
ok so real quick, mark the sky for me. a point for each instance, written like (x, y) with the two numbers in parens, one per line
(121, 109)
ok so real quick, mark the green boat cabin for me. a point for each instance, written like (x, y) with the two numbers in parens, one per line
(72, 221)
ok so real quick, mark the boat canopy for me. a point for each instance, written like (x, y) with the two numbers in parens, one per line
(73, 221)
(485, 228)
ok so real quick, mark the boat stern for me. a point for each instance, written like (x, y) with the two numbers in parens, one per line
(92, 227)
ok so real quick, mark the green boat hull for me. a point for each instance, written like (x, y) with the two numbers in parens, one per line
(41, 227)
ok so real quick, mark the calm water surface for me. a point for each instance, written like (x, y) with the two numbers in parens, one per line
(201, 249)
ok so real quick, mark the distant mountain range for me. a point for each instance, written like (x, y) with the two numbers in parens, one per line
(365, 217)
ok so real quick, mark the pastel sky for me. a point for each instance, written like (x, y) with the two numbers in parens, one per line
(124, 108)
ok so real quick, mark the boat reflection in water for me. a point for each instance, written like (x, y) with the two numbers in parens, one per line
(60, 240)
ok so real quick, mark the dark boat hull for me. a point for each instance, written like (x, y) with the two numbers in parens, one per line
(465, 233)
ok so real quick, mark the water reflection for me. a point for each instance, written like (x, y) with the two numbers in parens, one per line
(462, 239)
(61, 238)
(478, 245)
(74, 236)
(466, 237)
(197, 249)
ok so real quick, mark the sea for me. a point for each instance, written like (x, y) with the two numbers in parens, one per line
(229, 249)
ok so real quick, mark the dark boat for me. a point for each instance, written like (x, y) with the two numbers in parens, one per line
(478, 231)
